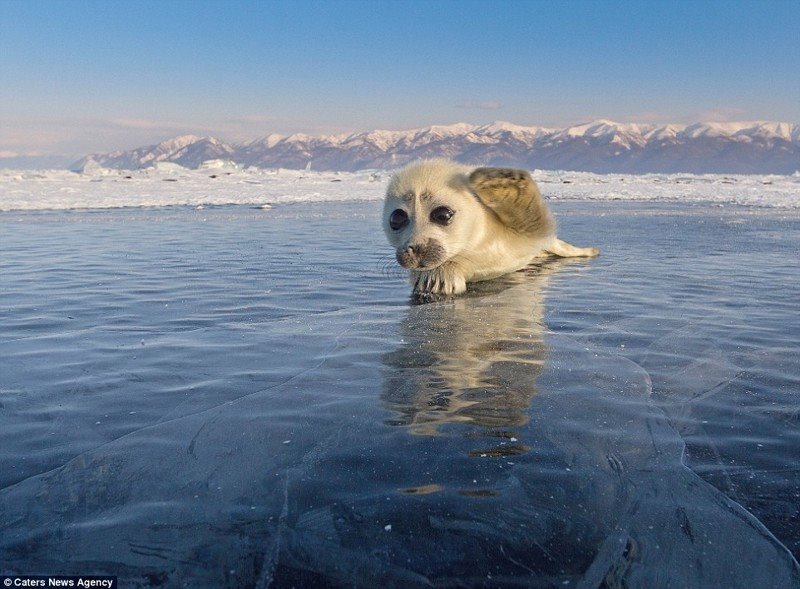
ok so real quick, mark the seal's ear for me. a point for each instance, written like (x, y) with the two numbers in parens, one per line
(514, 197)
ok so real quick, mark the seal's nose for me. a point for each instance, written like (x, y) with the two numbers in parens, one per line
(407, 257)
(425, 254)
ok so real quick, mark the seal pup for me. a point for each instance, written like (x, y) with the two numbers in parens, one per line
(451, 225)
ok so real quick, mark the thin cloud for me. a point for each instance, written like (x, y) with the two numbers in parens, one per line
(81, 135)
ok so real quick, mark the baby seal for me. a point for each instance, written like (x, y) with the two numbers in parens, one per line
(451, 225)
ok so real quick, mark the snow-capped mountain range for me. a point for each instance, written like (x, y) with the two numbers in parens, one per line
(600, 146)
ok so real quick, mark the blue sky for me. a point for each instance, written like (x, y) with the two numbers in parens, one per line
(80, 76)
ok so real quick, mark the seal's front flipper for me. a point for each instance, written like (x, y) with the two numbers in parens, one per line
(515, 199)
(444, 280)
(565, 250)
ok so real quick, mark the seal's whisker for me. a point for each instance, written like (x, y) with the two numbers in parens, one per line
(389, 267)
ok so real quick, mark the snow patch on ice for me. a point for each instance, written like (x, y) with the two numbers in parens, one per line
(221, 182)
(169, 168)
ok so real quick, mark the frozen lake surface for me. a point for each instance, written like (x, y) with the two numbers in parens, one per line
(236, 397)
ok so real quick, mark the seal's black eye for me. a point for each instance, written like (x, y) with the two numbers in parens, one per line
(398, 219)
(442, 215)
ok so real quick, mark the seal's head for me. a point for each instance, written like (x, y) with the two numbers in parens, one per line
(430, 213)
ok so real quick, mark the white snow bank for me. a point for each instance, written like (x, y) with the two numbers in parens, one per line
(219, 183)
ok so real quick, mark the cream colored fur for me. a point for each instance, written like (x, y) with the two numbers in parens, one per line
(500, 223)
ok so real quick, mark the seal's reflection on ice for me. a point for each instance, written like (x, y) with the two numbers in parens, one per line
(472, 360)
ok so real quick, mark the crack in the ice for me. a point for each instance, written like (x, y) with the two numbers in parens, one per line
(213, 408)
(270, 562)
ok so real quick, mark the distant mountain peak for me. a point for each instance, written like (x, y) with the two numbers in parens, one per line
(601, 145)
(501, 127)
(180, 142)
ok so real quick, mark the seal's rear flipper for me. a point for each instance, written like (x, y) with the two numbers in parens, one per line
(565, 250)
(515, 199)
